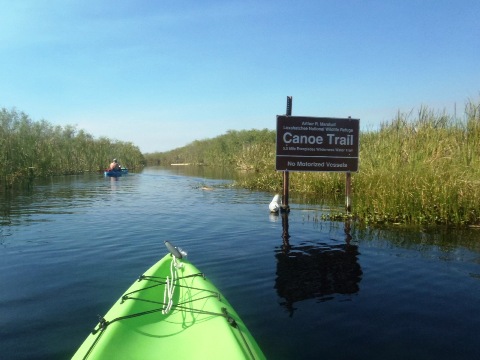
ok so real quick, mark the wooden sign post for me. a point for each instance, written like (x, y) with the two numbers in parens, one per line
(316, 144)
(286, 179)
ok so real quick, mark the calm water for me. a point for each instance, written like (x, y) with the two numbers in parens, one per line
(69, 247)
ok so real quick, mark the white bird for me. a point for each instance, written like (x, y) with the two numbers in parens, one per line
(274, 206)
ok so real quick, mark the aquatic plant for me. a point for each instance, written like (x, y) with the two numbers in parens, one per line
(244, 150)
(422, 167)
(38, 149)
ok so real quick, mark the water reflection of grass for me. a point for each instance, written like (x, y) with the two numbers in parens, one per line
(420, 168)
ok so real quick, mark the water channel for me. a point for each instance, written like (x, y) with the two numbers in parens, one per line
(69, 247)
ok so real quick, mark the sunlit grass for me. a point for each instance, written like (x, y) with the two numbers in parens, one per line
(38, 149)
(420, 168)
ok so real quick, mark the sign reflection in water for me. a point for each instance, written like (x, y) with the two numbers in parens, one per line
(315, 270)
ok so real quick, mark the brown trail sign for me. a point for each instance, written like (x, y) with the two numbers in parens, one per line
(317, 144)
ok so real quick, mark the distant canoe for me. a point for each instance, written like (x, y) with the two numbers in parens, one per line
(116, 173)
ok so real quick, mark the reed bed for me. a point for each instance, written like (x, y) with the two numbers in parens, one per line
(420, 168)
(38, 149)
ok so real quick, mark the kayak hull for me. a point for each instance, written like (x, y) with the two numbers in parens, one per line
(115, 173)
(201, 323)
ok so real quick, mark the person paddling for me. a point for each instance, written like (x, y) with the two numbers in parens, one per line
(114, 166)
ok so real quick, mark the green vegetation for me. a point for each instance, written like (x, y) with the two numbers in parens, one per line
(419, 168)
(423, 170)
(244, 150)
(39, 149)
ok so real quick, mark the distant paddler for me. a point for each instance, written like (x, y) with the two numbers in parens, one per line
(114, 166)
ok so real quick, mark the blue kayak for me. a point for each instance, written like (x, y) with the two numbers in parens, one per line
(116, 173)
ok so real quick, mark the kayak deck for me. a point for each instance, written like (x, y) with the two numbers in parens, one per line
(159, 317)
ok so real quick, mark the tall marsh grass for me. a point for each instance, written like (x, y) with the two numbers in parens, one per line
(422, 167)
(38, 149)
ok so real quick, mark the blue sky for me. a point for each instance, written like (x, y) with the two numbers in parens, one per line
(161, 73)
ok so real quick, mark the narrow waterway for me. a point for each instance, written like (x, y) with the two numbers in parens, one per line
(306, 288)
